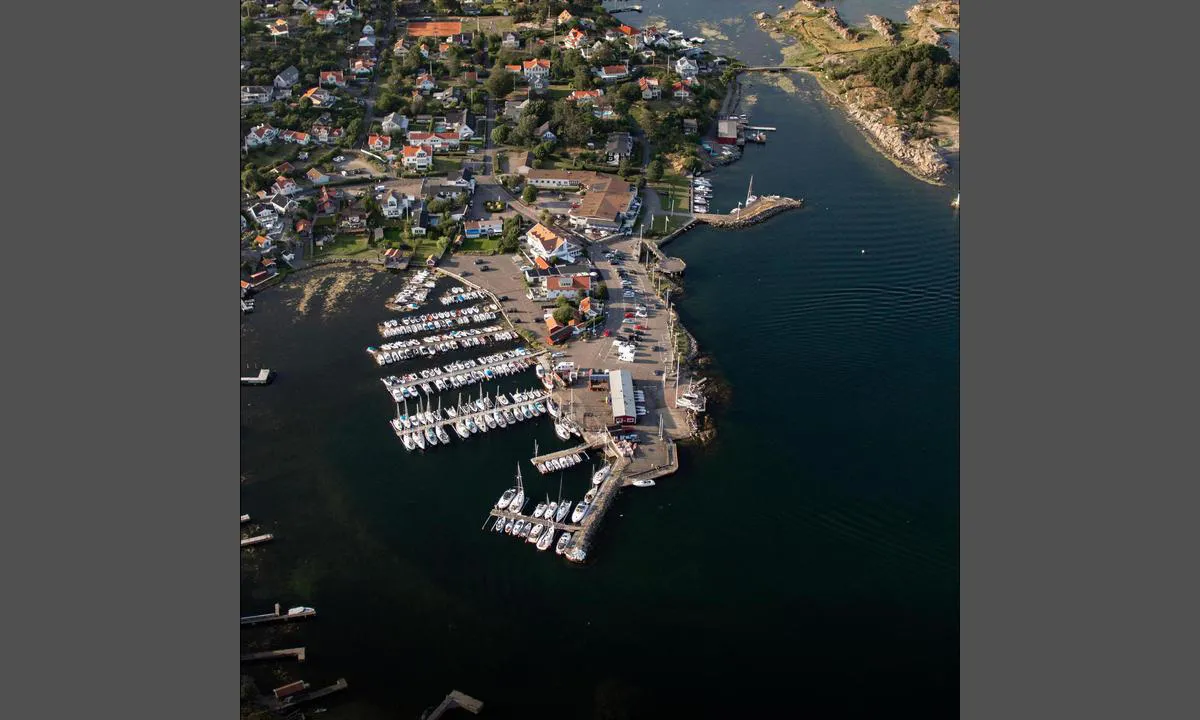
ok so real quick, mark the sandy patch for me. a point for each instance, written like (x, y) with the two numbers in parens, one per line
(945, 129)
(710, 31)
(312, 286)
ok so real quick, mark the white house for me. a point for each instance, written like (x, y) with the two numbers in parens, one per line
(686, 67)
(568, 286)
(546, 244)
(379, 143)
(257, 94)
(537, 68)
(394, 123)
(261, 135)
(613, 72)
(483, 228)
(416, 157)
(287, 77)
(438, 141)
(282, 203)
(285, 185)
(393, 204)
(681, 91)
(575, 39)
(461, 178)
(335, 78)
(585, 96)
(650, 88)
(511, 41)
(425, 82)
(264, 214)
(326, 18)
(316, 177)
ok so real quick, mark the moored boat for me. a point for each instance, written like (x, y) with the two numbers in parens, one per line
(546, 538)
(601, 475)
(537, 511)
(506, 497)
(563, 508)
(580, 510)
(563, 540)
(643, 483)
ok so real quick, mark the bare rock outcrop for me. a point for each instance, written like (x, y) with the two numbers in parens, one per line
(838, 25)
(885, 27)
(921, 156)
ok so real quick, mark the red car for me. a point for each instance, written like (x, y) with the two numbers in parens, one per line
(608, 333)
(638, 327)
(628, 314)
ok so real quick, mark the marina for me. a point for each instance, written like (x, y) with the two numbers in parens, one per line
(438, 344)
(247, 542)
(440, 320)
(296, 613)
(563, 459)
(427, 428)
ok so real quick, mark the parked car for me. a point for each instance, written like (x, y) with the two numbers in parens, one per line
(608, 333)
(380, 188)
(340, 158)
(628, 314)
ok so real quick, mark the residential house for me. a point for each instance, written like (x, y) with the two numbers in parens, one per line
(322, 133)
(461, 178)
(368, 30)
(543, 131)
(328, 201)
(316, 177)
(278, 28)
(301, 6)
(353, 218)
(295, 136)
(346, 9)
(400, 47)
(511, 41)
(263, 214)
(687, 68)
(727, 132)
(619, 147)
(589, 308)
(425, 82)
(379, 143)
(538, 68)
(567, 286)
(514, 108)
(416, 157)
(336, 78)
(520, 162)
(366, 43)
(575, 39)
(438, 141)
(681, 91)
(513, 69)
(585, 96)
(326, 18)
(610, 73)
(419, 219)
(283, 168)
(587, 52)
(287, 77)
(556, 332)
(690, 126)
(449, 96)
(612, 35)
(319, 97)
(280, 200)
(393, 204)
(257, 94)
(394, 123)
(603, 109)
(547, 244)
(483, 228)
(285, 185)
(261, 135)
(361, 67)
(470, 77)
(263, 244)
(303, 229)
(461, 39)
(650, 88)
(564, 17)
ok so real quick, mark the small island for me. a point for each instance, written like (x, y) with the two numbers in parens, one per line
(897, 81)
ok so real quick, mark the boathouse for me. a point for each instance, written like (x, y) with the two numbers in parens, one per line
(620, 391)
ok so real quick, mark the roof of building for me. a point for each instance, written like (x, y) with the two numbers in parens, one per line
(434, 28)
(620, 389)
(547, 238)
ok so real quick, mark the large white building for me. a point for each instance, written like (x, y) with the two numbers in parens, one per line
(620, 390)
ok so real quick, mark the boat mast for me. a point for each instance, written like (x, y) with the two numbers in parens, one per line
(750, 190)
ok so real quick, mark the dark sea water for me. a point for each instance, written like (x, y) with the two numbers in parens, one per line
(803, 565)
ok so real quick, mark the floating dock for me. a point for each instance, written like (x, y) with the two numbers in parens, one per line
(247, 542)
(454, 700)
(245, 518)
(397, 390)
(477, 416)
(582, 449)
(262, 378)
(277, 616)
(297, 653)
(307, 696)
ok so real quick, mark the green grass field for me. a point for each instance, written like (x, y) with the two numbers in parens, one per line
(345, 245)
(485, 246)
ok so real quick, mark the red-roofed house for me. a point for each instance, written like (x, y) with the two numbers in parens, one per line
(425, 82)
(437, 141)
(326, 17)
(316, 177)
(285, 185)
(362, 66)
(547, 244)
(575, 39)
(613, 72)
(681, 91)
(536, 68)
(278, 28)
(295, 136)
(417, 157)
(564, 17)
(261, 135)
(650, 88)
(571, 286)
(585, 96)
(333, 77)
(379, 142)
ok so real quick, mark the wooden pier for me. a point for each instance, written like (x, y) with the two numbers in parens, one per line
(477, 416)
(247, 542)
(297, 653)
(308, 696)
(277, 616)
(582, 448)
(581, 541)
(262, 378)
(455, 699)
(511, 515)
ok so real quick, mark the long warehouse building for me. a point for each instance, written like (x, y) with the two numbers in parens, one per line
(620, 390)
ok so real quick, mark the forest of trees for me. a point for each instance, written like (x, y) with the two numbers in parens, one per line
(919, 79)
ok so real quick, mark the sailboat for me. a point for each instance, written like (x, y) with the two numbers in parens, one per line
(519, 501)
(750, 196)
(954, 202)
(563, 505)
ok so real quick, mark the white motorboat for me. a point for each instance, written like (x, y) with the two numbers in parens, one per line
(516, 531)
(563, 540)
(550, 510)
(601, 475)
(537, 511)
(552, 408)
(580, 510)
(508, 526)
(526, 529)
(506, 497)
(643, 483)
(546, 539)
(536, 532)
(563, 508)
(561, 431)
(419, 439)
(499, 526)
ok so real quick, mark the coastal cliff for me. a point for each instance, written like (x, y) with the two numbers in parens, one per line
(905, 100)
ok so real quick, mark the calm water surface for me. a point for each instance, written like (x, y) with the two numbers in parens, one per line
(806, 562)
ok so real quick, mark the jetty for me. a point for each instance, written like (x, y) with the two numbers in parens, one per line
(297, 653)
(454, 700)
(441, 419)
(460, 378)
(306, 696)
(665, 263)
(557, 454)
(247, 542)
(755, 212)
(262, 378)
(295, 613)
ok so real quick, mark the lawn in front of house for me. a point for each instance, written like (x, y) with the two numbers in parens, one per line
(480, 245)
(345, 245)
